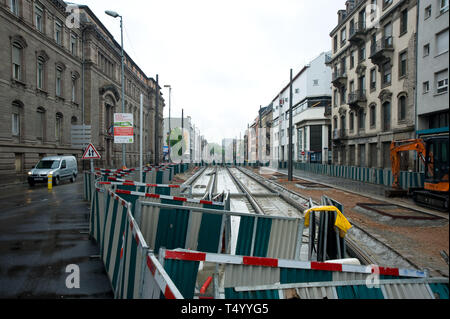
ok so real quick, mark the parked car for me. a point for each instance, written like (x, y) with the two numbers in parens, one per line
(60, 167)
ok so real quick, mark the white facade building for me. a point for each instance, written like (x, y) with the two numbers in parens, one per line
(311, 90)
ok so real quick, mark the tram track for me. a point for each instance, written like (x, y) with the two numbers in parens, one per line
(259, 192)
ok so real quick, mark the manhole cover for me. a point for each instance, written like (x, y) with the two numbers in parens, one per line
(398, 212)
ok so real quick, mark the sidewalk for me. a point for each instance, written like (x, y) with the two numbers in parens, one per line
(357, 187)
(12, 180)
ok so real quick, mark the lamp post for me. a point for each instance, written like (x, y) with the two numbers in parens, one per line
(170, 127)
(116, 15)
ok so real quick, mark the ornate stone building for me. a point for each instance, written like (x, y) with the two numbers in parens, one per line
(56, 75)
(374, 74)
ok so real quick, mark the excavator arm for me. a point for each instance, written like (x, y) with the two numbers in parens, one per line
(397, 148)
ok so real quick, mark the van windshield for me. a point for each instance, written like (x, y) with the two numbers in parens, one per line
(48, 164)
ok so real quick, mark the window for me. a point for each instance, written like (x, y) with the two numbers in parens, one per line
(426, 50)
(373, 79)
(362, 53)
(40, 73)
(15, 127)
(352, 59)
(352, 121)
(74, 89)
(14, 6)
(343, 93)
(17, 62)
(443, 6)
(426, 87)
(73, 44)
(361, 119)
(300, 143)
(388, 35)
(386, 3)
(58, 32)
(335, 98)
(58, 81)
(441, 82)
(404, 21)
(427, 12)
(343, 36)
(386, 116)
(387, 73)
(335, 44)
(402, 108)
(39, 18)
(403, 57)
(40, 125)
(58, 127)
(316, 82)
(373, 115)
(442, 42)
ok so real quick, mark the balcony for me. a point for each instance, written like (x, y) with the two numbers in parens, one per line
(339, 134)
(381, 51)
(358, 33)
(339, 78)
(356, 99)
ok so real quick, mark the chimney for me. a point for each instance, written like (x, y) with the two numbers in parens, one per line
(341, 15)
(349, 5)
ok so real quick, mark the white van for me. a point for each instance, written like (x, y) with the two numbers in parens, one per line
(60, 167)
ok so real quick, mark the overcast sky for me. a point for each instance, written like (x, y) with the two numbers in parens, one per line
(223, 59)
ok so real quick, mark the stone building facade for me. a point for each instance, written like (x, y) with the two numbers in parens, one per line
(54, 76)
(374, 74)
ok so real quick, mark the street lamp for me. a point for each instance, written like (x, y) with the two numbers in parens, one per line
(116, 15)
(170, 127)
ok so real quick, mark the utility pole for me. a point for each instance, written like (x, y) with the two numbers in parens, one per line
(290, 149)
(157, 122)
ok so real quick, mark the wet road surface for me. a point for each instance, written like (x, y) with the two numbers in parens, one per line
(41, 233)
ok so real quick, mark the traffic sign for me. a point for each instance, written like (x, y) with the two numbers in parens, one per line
(91, 153)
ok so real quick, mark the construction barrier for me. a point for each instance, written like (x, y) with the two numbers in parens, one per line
(173, 222)
(132, 271)
(248, 277)
(363, 174)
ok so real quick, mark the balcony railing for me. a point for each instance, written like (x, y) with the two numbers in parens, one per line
(339, 77)
(357, 96)
(358, 31)
(380, 46)
(339, 133)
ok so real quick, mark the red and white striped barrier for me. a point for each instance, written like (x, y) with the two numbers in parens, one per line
(122, 182)
(157, 277)
(174, 198)
(292, 264)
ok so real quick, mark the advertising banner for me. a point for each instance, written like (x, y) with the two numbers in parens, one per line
(123, 128)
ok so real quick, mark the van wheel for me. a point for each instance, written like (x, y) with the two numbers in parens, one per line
(72, 179)
(56, 180)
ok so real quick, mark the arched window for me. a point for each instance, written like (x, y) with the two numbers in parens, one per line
(74, 120)
(40, 73)
(386, 116)
(402, 108)
(361, 119)
(373, 115)
(17, 61)
(16, 119)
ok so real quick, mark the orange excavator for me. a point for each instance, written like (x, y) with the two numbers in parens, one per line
(434, 153)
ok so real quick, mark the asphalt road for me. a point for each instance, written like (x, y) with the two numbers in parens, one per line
(41, 233)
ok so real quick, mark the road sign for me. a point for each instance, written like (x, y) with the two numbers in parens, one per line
(123, 128)
(91, 153)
